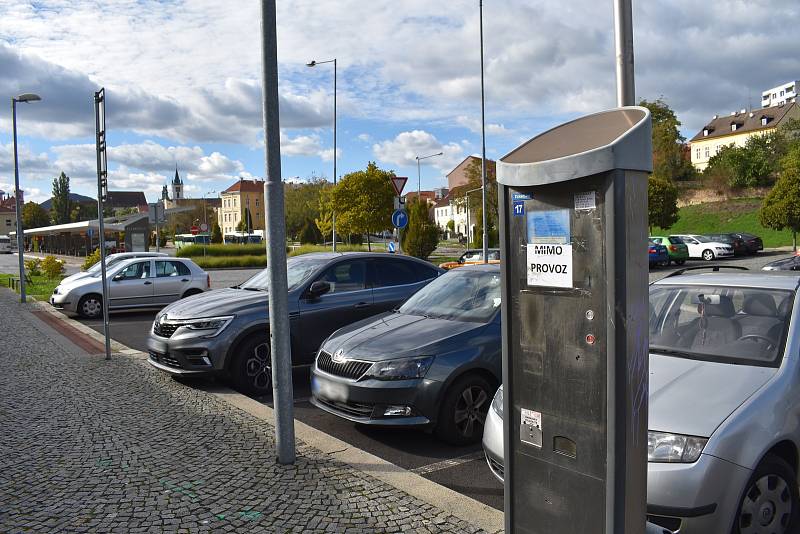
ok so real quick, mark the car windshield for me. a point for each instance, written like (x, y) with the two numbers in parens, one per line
(702, 239)
(737, 325)
(458, 295)
(298, 270)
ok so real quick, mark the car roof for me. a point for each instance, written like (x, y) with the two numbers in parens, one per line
(478, 267)
(758, 279)
(138, 254)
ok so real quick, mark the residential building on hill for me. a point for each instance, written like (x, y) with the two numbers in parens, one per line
(240, 199)
(783, 94)
(736, 129)
(458, 176)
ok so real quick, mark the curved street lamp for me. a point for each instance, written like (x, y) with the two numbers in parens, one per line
(419, 175)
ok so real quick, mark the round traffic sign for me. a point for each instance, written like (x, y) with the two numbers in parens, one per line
(194, 230)
(203, 227)
(399, 219)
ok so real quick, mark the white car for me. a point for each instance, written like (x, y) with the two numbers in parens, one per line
(133, 283)
(111, 260)
(702, 247)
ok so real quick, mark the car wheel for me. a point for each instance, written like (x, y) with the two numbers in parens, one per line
(190, 292)
(680, 262)
(464, 410)
(252, 367)
(769, 503)
(90, 306)
(708, 255)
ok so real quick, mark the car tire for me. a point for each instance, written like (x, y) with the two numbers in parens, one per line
(90, 306)
(251, 368)
(464, 408)
(708, 254)
(680, 262)
(769, 501)
(190, 292)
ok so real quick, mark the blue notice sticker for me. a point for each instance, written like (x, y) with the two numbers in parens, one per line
(519, 208)
(552, 226)
(521, 196)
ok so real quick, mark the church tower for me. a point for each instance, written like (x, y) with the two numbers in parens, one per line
(164, 193)
(177, 186)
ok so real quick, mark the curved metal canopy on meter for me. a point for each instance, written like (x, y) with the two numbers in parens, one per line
(596, 143)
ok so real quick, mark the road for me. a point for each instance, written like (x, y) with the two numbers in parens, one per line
(462, 469)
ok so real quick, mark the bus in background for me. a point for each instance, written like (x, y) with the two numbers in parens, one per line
(184, 240)
(255, 236)
(6, 245)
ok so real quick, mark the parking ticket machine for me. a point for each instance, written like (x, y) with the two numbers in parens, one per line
(573, 235)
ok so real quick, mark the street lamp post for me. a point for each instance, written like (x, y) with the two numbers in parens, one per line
(419, 174)
(25, 97)
(314, 63)
(483, 150)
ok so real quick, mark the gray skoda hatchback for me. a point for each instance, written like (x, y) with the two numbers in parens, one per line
(432, 363)
(225, 330)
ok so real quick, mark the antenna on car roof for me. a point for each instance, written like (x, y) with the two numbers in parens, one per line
(714, 268)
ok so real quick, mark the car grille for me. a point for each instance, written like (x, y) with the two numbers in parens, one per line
(165, 359)
(349, 408)
(352, 369)
(164, 329)
(496, 466)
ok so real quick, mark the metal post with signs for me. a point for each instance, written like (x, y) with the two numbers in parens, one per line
(155, 215)
(399, 215)
(102, 195)
(573, 234)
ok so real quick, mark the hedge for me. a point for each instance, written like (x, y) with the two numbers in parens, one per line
(195, 251)
(218, 262)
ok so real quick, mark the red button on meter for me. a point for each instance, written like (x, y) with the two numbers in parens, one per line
(590, 339)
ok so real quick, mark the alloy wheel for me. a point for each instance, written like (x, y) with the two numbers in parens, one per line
(708, 255)
(470, 410)
(259, 366)
(91, 307)
(767, 507)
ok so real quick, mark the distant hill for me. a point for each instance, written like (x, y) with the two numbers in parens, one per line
(74, 197)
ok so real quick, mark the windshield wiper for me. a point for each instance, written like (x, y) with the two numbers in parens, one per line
(673, 352)
(253, 288)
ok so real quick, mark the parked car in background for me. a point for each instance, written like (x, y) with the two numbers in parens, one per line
(737, 243)
(658, 254)
(472, 257)
(676, 249)
(226, 330)
(111, 260)
(753, 242)
(724, 406)
(133, 284)
(5, 244)
(702, 247)
(432, 363)
(792, 263)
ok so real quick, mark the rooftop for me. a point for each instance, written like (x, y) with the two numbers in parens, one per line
(745, 121)
(248, 186)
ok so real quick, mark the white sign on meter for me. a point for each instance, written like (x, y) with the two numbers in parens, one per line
(549, 265)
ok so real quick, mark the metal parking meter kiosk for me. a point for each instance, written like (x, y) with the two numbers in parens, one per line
(573, 234)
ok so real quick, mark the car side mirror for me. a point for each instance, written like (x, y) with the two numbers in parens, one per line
(117, 277)
(318, 288)
(461, 260)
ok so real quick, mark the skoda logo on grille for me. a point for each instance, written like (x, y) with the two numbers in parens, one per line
(338, 357)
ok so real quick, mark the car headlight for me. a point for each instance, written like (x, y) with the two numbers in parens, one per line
(214, 325)
(497, 402)
(402, 369)
(676, 448)
(55, 291)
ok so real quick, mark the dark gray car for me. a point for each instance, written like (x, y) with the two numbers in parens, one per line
(435, 362)
(226, 330)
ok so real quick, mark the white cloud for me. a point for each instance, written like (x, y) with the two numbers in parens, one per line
(406, 146)
(474, 125)
(301, 145)
(367, 138)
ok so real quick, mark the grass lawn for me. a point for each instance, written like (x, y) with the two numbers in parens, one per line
(739, 215)
(41, 288)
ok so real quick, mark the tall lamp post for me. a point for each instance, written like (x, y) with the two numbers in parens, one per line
(314, 63)
(419, 174)
(25, 97)
(205, 218)
(483, 149)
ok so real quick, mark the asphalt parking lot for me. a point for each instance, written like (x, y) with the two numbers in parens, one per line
(462, 469)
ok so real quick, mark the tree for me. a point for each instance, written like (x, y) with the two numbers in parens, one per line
(216, 233)
(451, 227)
(662, 203)
(83, 212)
(421, 236)
(669, 162)
(363, 201)
(60, 210)
(781, 207)
(324, 221)
(310, 234)
(751, 165)
(34, 216)
(302, 202)
(242, 226)
(474, 182)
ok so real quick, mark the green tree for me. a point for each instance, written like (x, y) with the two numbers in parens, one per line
(451, 227)
(662, 203)
(242, 226)
(302, 202)
(781, 207)
(83, 212)
(324, 220)
(310, 234)
(669, 162)
(363, 201)
(34, 216)
(751, 165)
(61, 209)
(216, 233)
(421, 236)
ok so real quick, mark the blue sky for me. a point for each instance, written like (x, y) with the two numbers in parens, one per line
(182, 79)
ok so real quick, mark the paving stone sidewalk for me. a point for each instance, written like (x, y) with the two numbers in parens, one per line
(93, 446)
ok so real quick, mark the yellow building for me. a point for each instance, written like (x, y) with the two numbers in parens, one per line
(243, 197)
(736, 129)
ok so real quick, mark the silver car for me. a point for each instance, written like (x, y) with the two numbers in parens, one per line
(111, 260)
(132, 284)
(724, 414)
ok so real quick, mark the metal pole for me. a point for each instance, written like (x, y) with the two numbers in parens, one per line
(20, 231)
(281, 351)
(469, 238)
(158, 236)
(623, 43)
(333, 215)
(483, 151)
(419, 181)
(100, 140)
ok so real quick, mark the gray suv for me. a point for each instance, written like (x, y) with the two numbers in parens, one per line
(226, 330)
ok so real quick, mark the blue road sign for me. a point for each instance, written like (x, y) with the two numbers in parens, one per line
(399, 219)
(391, 246)
(90, 232)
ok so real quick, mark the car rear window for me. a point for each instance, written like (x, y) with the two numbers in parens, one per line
(676, 240)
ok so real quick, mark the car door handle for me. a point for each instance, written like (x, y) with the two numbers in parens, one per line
(362, 305)
(184, 280)
(148, 283)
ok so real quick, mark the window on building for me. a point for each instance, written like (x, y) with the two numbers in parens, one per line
(782, 93)
(708, 152)
(705, 133)
(256, 202)
(733, 127)
(774, 95)
(697, 153)
(717, 149)
(764, 121)
(790, 89)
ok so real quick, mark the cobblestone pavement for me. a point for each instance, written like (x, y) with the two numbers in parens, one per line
(93, 446)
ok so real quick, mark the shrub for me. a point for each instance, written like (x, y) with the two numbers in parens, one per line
(421, 236)
(193, 251)
(91, 259)
(216, 233)
(34, 267)
(52, 267)
(221, 262)
(310, 234)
